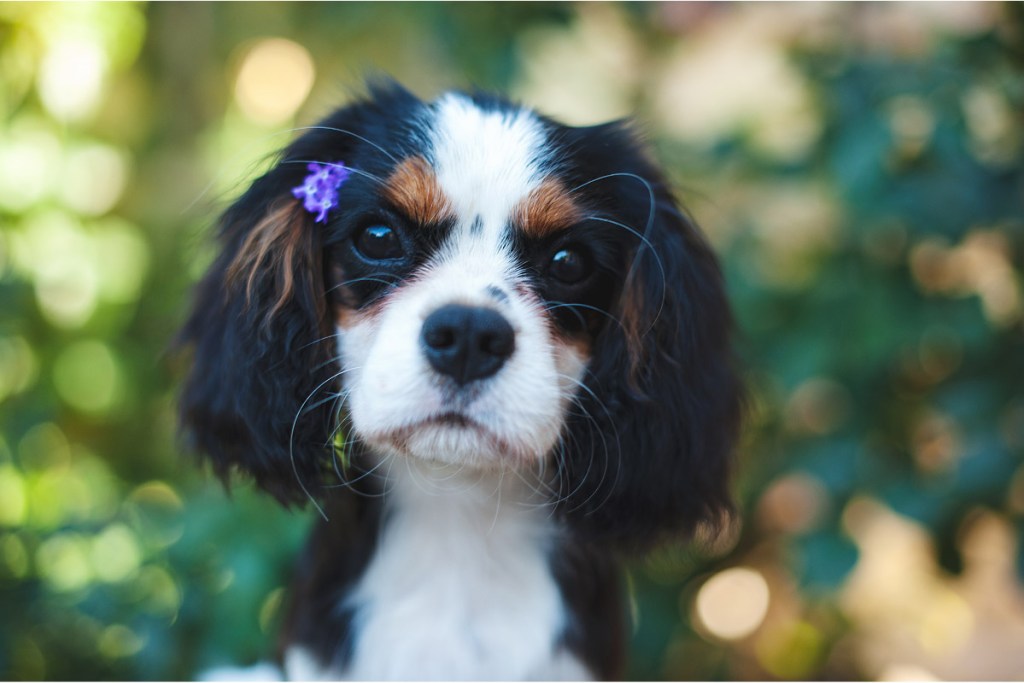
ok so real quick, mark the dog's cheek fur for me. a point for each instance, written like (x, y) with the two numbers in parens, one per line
(650, 455)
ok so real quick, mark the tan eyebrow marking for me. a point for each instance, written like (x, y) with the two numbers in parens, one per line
(414, 189)
(549, 207)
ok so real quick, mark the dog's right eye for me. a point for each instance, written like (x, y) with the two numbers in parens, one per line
(379, 243)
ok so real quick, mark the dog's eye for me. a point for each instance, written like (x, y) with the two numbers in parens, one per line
(569, 266)
(379, 243)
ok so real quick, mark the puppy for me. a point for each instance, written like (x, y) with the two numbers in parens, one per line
(495, 356)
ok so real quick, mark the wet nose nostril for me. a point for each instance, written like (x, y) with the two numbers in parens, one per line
(467, 343)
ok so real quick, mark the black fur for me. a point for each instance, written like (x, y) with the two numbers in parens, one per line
(335, 557)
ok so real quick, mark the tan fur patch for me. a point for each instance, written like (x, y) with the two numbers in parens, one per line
(347, 318)
(414, 189)
(280, 243)
(546, 209)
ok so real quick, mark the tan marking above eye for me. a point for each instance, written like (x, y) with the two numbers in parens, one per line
(548, 208)
(414, 189)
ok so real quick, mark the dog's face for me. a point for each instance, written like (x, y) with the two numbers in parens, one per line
(446, 283)
(490, 289)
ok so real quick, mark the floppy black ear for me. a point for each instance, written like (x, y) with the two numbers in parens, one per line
(256, 325)
(648, 450)
(258, 397)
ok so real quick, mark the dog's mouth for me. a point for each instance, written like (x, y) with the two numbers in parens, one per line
(451, 434)
(451, 419)
(455, 421)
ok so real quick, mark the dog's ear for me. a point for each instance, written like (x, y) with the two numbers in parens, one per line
(649, 447)
(260, 394)
(256, 328)
(259, 397)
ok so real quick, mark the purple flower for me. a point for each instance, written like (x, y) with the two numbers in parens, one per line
(319, 191)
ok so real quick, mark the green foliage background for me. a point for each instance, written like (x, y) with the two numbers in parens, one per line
(860, 169)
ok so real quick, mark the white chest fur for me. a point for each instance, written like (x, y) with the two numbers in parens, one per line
(460, 586)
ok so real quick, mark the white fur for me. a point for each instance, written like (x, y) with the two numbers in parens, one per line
(485, 161)
(460, 587)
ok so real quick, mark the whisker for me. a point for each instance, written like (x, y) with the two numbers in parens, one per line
(355, 135)
(605, 446)
(317, 341)
(564, 304)
(497, 505)
(652, 198)
(291, 440)
(356, 171)
(387, 283)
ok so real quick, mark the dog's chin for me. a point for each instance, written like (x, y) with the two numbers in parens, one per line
(454, 439)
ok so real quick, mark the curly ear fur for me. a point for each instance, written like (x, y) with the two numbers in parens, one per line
(648, 452)
(255, 326)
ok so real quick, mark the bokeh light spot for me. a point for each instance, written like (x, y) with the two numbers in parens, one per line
(154, 509)
(18, 366)
(159, 592)
(817, 406)
(757, 91)
(58, 496)
(794, 504)
(981, 264)
(127, 257)
(733, 603)
(115, 554)
(119, 641)
(13, 502)
(44, 446)
(912, 122)
(14, 555)
(274, 80)
(63, 562)
(990, 121)
(88, 377)
(53, 250)
(586, 74)
(28, 154)
(71, 78)
(93, 179)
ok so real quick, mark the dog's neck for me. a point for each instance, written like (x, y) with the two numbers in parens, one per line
(463, 505)
(460, 584)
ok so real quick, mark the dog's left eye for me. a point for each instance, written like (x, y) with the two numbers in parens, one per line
(379, 243)
(569, 266)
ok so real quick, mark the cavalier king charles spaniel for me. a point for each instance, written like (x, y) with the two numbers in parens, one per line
(494, 354)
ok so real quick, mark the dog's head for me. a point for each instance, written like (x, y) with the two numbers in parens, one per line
(468, 282)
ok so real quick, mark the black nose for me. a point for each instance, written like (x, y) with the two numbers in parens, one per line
(467, 343)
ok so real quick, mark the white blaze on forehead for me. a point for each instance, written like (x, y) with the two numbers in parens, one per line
(486, 161)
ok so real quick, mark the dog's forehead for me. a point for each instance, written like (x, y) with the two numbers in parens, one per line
(485, 168)
(486, 161)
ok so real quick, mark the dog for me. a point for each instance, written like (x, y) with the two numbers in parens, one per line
(494, 354)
